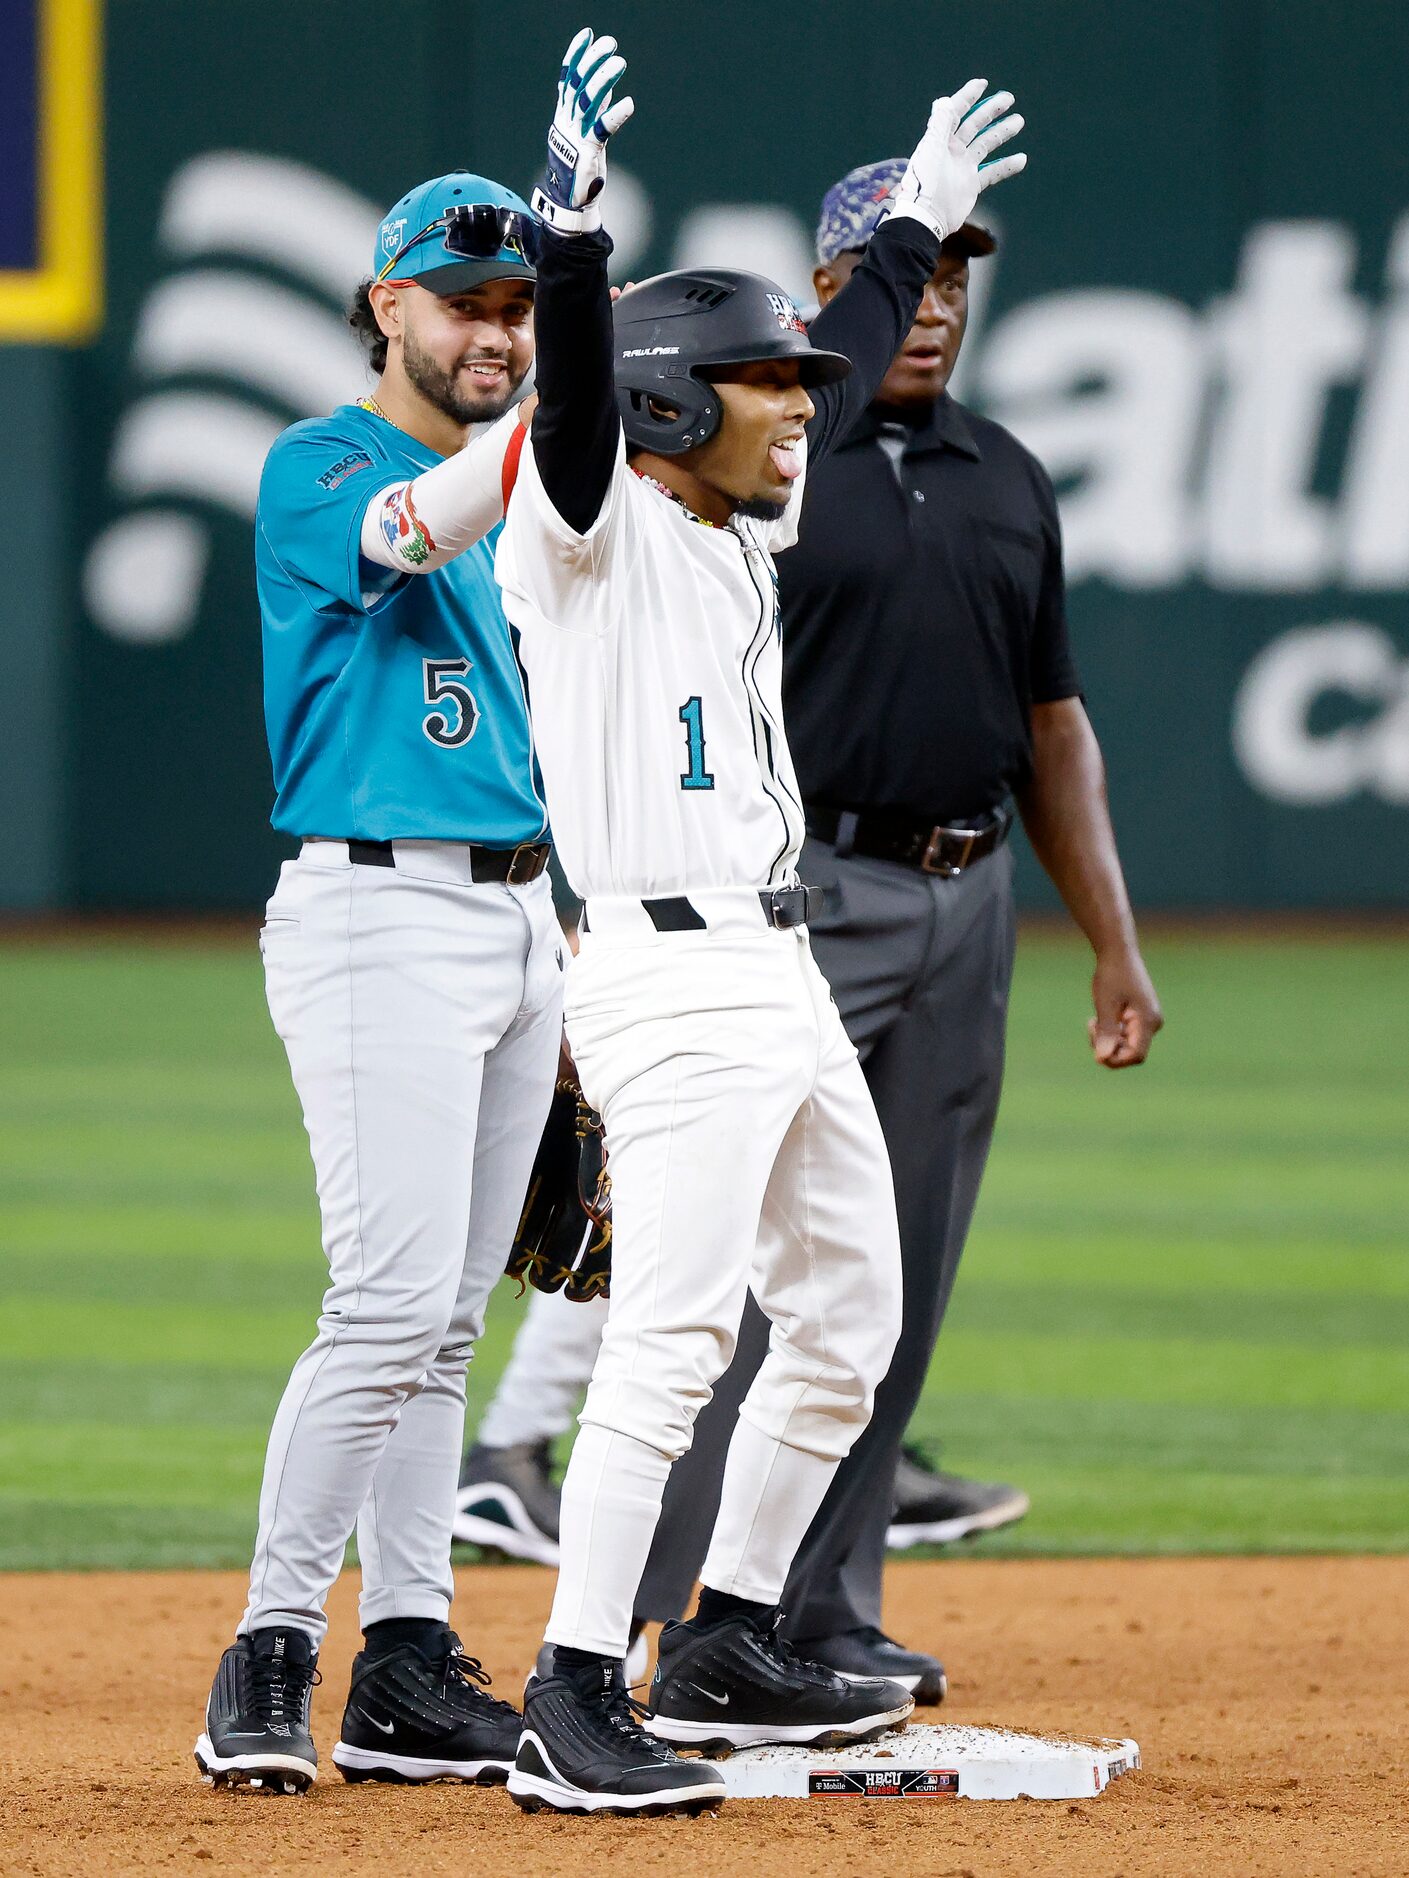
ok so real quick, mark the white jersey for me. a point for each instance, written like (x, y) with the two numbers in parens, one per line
(654, 659)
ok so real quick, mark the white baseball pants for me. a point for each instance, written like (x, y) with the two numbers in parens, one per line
(421, 1015)
(744, 1154)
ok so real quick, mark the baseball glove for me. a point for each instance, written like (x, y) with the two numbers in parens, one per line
(564, 1237)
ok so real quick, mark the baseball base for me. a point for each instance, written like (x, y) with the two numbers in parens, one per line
(935, 1762)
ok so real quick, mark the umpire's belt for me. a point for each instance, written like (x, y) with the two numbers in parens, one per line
(458, 862)
(710, 909)
(933, 847)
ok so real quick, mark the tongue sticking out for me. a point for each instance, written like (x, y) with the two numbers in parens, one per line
(788, 463)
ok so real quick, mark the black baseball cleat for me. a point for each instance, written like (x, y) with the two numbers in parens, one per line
(736, 1683)
(507, 1500)
(935, 1508)
(417, 1714)
(256, 1721)
(869, 1652)
(584, 1750)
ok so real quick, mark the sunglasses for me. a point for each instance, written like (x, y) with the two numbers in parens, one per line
(478, 231)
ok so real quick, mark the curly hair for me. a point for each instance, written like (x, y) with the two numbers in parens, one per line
(363, 322)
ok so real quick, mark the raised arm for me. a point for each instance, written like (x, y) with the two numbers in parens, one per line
(576, 427)
(419, 524)
(867, 321)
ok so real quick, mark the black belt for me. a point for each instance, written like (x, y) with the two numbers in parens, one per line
(783, 907)
(933, 847)
(513, 867)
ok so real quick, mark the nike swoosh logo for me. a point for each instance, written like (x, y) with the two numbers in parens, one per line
(722, 1700)
(387, 1728)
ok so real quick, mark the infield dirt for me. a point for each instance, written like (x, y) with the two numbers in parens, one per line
(1270, 1698)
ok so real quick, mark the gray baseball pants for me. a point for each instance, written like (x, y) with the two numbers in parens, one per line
(422, 1016)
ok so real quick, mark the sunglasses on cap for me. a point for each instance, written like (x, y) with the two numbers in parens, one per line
(477, 231)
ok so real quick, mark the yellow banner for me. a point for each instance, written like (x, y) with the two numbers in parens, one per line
(62, 297)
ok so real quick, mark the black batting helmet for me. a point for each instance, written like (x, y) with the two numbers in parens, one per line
(670, 333)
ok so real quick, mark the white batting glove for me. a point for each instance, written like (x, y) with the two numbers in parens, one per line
(585, 117)
(954, 162)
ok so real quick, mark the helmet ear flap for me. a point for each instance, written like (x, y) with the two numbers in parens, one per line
(647, 421)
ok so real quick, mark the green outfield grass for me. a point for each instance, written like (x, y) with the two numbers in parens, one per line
(1183, 1322)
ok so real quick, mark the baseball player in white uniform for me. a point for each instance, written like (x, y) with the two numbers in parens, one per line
(665, 468)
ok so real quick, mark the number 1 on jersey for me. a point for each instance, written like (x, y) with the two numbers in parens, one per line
(692, 717)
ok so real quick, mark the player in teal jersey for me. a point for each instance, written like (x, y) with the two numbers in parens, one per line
(364, 652)
(414, 968)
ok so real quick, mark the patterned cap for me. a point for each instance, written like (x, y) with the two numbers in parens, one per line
(852, 208)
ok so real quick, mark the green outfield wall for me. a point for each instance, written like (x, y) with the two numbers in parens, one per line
(1198, 316)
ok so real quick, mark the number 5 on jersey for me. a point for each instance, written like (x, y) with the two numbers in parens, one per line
(454, 723)
(692, 717)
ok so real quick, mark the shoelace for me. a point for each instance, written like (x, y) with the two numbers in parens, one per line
(278, 1689)
(623, 1713)
(469, 1676)
(775, 1645)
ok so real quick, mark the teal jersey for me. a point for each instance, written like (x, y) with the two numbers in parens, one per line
(394, 703)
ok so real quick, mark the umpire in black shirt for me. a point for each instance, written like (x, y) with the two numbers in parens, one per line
(928, 685)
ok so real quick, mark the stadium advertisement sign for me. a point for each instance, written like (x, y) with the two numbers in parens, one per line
(1207, 342)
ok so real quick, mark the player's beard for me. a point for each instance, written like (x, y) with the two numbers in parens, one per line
(763, 508)
(444, 391)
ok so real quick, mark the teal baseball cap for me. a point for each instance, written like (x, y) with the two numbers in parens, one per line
(455, 232)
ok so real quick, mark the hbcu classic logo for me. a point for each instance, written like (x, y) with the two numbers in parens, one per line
(786, 313)
(884, 1783)
(347, 466)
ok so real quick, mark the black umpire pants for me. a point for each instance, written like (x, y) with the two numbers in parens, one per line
(920, 968)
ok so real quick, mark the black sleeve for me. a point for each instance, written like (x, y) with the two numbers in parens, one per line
(576, 426)
(867, 322)
(1052, 666)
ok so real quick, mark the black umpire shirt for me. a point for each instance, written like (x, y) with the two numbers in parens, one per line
(923, 616)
